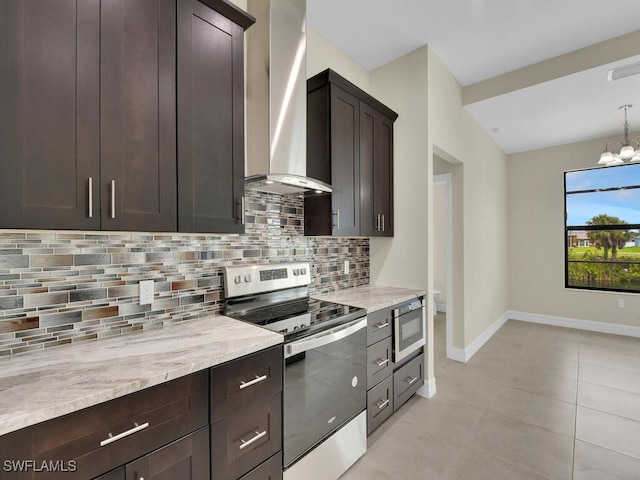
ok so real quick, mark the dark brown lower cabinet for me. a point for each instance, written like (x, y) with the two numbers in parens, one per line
(164, 432)
(246, 416)
(187, 458)
(269, 470)
(98, 439)
(246, 438)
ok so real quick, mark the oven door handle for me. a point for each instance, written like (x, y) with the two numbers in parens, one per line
(324, 338)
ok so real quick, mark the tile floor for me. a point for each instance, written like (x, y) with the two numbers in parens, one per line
(536, 402)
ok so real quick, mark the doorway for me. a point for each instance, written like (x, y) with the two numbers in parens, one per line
(443, 265)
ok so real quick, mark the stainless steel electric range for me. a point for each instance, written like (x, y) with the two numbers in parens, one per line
(325, 365)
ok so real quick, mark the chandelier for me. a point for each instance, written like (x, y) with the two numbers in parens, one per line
(629, 150)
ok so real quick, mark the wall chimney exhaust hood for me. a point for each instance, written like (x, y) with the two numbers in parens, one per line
(277, 99)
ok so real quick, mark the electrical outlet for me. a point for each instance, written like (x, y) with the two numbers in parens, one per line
(621, 303)
(146, 292)
(346, 267)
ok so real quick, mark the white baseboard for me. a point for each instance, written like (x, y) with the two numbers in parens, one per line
(602, 327)
(464, 355)
(428, 390)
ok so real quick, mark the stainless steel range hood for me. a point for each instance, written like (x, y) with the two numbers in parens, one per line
(277, 98)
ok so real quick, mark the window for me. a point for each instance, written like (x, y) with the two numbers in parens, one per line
(602, 228)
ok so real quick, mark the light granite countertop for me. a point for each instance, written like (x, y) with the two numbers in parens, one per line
(40, 386)
(371, 297)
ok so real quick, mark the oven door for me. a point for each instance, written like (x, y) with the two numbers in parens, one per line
(324, 386)
(409, 329)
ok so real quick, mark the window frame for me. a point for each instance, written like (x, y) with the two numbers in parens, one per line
(587, 228)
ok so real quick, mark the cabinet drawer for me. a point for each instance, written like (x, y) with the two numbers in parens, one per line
(407, 380)
(187, 458)
(379, 362)
(269, 470)
(241, 382)
(127, 427)
(379, 324)
(379, 404)
(246, 438)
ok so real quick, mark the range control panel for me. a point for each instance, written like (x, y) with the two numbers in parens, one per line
(250, 279)
(273, 274)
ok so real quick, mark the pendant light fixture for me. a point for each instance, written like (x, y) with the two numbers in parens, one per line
(628, 151)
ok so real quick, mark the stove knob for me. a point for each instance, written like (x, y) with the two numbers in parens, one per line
(247, 278)
(238, 279)
(303, 271)
(295, 272)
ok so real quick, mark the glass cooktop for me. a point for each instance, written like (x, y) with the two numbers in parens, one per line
(298, 318)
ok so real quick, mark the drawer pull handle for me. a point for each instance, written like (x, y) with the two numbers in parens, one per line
(381, 362)
(258, 379)
(381, 325)
(411, 381)
(382, 404)
(258, 436)
(115, 438)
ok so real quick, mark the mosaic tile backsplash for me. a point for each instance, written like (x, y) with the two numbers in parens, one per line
(60, 287)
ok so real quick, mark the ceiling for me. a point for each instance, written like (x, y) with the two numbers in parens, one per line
(481, 39)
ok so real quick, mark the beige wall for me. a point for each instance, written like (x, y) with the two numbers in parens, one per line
(432, 119)
(536, 239)
(403, 259)
(322, 55)
(455, 136)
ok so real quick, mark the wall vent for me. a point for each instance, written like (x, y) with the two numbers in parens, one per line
(622, 72)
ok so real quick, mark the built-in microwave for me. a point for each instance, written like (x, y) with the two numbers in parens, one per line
(409, 329)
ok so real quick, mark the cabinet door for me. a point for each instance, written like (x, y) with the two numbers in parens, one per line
(369, 215)
(210, 120)
(138, 115)
(117, 474)
(383, 174)
(376, 172)
(184, 459)
(345, 162)
(49, 113)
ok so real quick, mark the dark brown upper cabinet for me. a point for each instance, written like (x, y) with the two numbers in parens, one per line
(90, 94)
(50, 114)
(376, 172)
(350, 146)
(210, 116)
(138, 115)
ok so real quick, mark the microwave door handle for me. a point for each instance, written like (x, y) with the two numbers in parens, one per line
(324, 338)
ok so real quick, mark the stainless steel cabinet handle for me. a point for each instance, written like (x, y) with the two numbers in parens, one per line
(115, 438)
(337, 215)
(381, 362)
(411, 381)
(242, 214)
(257, 437)
(381, 325)
(113, 199)
(258, 379)
(382, 222)
(90, 197)
(378, 222)
(380, 404)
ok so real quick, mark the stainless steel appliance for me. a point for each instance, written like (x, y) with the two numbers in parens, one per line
(409, 329)
(325, 365)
